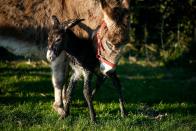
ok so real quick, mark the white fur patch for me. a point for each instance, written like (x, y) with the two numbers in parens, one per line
(58, 76)
(50, 55)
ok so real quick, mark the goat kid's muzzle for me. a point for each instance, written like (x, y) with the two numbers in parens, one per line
(50, 55)
(53, 52)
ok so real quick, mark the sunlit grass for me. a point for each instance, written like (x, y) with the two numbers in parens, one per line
(157, 98)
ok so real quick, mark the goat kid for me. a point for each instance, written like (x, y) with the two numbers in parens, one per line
(65, 48)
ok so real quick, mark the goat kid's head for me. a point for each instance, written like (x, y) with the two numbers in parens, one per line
(57, 36)
(115, 33)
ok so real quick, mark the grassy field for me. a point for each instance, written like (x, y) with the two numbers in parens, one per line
(157, 98)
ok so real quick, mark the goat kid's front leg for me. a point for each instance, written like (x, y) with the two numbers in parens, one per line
(88, 94)
(67, 74)
(117, 85)
(58, 77)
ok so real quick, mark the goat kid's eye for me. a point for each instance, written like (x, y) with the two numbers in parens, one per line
(58, 40)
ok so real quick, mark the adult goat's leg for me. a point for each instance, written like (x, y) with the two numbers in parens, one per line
(88, 94)
(58, 75)
(117, 85)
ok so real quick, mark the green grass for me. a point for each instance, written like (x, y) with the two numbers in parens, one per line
(157, 98)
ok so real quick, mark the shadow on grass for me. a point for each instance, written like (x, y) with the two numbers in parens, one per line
(10, 71)
(152, 85)
(8, 100)
(149, 85)
(21, 118)
(25, 85)
(140, 84)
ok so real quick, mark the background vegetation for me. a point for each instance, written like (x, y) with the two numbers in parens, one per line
(163, 30)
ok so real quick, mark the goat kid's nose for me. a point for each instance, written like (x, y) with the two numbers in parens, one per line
(105, 68)
(50, 55)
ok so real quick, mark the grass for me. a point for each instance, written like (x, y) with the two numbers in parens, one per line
(157, 98)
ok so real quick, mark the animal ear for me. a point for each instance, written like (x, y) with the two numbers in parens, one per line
(103, 4)
(55, 22)
(106, 8)
(126, 4)
(71, 23)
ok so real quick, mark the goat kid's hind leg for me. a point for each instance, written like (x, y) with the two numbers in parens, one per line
(99, 81)
(67, 97)
(88, 94)
(58, 76)
(117, 85)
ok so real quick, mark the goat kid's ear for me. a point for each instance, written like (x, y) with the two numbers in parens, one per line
(126, 4)
(71, 23)
(55, 22)
(106, 8)
(103, 4)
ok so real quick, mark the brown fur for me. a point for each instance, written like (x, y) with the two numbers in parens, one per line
(29, 19)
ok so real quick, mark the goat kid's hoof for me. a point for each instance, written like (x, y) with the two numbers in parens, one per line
(93, 117)
(59, 110)
(63, 115)
(93, 120)
(66, 114)
(124, 114)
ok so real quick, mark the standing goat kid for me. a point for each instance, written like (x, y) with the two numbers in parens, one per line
(63, 47)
